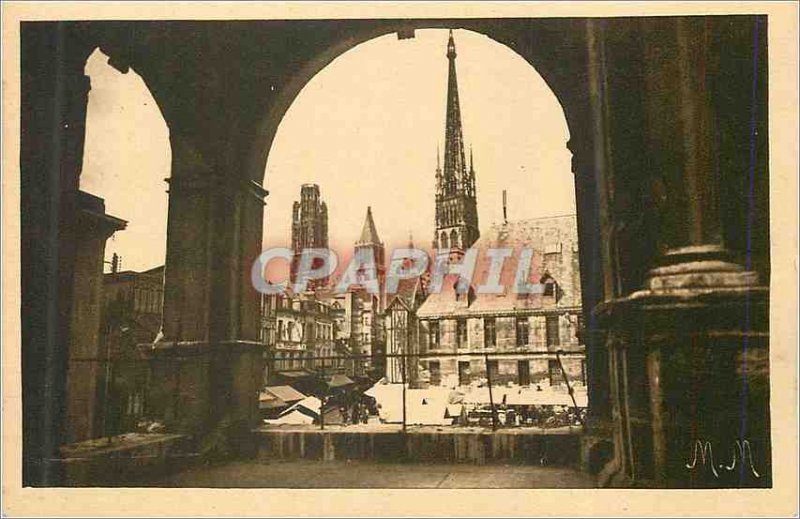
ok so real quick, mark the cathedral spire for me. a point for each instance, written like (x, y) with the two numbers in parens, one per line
(454, 163)
(456, 206)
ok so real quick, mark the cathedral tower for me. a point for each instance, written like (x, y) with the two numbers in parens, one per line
(309, 226)
(369, 240)
(456, 200)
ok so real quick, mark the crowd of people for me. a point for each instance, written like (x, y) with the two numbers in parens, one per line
(542, 416)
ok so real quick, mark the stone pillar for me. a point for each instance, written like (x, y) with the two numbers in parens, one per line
(53, 99)
(683, 141)
(591, 279)
(209, 365)
(85, 356)
(688, 350)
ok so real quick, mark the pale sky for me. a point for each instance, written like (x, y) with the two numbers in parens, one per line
(366, 129)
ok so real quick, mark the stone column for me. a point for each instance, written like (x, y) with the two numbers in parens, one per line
(689, 351)
(683, 144)
(53, 99)
(209, 364)
(590, 277)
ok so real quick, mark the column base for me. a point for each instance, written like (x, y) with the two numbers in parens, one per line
(690, 379)
(697, 270)
(196, 388)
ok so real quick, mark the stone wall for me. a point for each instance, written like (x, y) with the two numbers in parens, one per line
(431, 446)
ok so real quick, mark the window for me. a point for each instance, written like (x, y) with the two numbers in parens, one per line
(523, 372)
(554, 369)
(435, 370)
(523, 327)
(552, 330)
(489, 332)
(579, 332)
(463, 373)
(461, 333)
(491, 370)
(433, 334)
(549, 285)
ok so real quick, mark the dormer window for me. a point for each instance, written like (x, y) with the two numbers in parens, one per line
(550, 286)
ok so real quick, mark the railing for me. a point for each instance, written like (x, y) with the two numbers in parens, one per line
(406, 374)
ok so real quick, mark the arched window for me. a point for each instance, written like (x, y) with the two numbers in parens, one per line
(443, 241)
(454, 238)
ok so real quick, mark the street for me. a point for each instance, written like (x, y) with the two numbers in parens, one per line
(361, 474)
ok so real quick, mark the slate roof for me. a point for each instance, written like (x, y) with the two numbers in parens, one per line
(531, 234)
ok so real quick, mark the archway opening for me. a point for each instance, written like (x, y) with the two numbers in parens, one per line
(360, 161)
(126, 159)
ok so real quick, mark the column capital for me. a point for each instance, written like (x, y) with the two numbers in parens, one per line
(208, 181)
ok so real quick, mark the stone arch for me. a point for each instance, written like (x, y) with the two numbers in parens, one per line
(561, 80)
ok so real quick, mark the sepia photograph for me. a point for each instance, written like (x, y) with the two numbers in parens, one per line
(507, 247)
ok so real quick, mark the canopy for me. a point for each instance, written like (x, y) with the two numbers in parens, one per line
(340, 381)
(274, 397)
(423, 406)
(292, 418)
(310, 406)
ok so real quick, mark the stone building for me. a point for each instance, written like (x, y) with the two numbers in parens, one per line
(669, 136)
(132, 303)
(298, 330)
(359, 308)
(520, 332)
(86, 361)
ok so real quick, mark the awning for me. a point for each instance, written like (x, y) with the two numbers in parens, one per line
(275, 397)
(309, 405)
(340, 381)
(293, 418)
(300, 373)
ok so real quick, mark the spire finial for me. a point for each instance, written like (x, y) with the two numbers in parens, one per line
(451, 46)
(470, 157)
